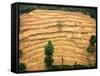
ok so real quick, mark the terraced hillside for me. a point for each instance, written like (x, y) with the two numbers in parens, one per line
(69, 33)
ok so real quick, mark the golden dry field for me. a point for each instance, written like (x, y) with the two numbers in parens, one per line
(70, 40)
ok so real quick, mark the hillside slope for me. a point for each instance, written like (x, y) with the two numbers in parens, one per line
(70, 40)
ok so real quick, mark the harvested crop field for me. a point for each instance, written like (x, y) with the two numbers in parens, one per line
(68, 31)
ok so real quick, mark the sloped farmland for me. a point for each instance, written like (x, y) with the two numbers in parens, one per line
(69, 33)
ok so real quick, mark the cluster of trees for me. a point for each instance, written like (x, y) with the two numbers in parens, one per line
(49, 49)
(90, 11)
(25, 8)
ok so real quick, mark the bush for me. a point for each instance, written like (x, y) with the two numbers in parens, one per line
(91, 48)
(20, 53)
(22, 67)
(59, 25)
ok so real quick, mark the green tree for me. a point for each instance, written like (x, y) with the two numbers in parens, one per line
(49, 61)
(91, 48)
(92, 40)
(49, 49)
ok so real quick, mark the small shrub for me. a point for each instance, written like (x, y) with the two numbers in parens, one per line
(20, 53)
(91, 49)
(59, 25)
(22, 67)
